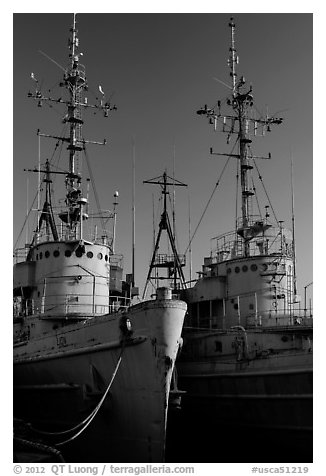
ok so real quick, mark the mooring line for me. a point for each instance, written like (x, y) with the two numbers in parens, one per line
(86, 422)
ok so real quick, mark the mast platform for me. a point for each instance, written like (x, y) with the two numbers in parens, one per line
(164, 260)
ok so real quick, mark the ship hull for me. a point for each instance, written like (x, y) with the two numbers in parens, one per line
(269, 399)
(241, 397)
(60, 379)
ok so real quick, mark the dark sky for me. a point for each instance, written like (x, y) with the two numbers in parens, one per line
(161, 69)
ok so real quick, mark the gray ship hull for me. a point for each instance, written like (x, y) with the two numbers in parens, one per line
(267, 397)
(60, 378)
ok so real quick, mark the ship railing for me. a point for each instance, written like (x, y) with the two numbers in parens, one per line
(81, 71)
(297, 317)
(68, 305)
(272, 241)
(96, 229)
(20, 254)
(165, 259)
(116, 260)
(69, 235)
(119, 303)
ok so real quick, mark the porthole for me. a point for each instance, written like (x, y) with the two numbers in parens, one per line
(89, 254)
(229, 270)
(37, 257)
(56, 253)
(67, 253)
(264, 267)
(47, 254)
(106, 257)
(236, 306)
(41, 255)
(245, 268)
(79, 253)
(253, 267)
(237, 269)
(99, 255)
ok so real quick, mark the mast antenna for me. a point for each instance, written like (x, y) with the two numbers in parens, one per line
(189, 236)
(133, 209)
(293, 232)
(173, 197)
(115, 203)
(233, 59)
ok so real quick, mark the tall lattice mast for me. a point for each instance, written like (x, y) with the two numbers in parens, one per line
(244, 126)
(175, 262)
(74, 81)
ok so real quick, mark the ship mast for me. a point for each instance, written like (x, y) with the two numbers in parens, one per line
(243, 126)
(175, 262)
(74, 81)
(241, 103)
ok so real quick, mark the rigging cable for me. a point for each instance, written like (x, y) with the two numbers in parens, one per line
(261, 179)
(236, 197)
(37, 192)
(86, 422)
(210, 198)
(257, 201)
(94, 190)
(174, 228)
(26, 218)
